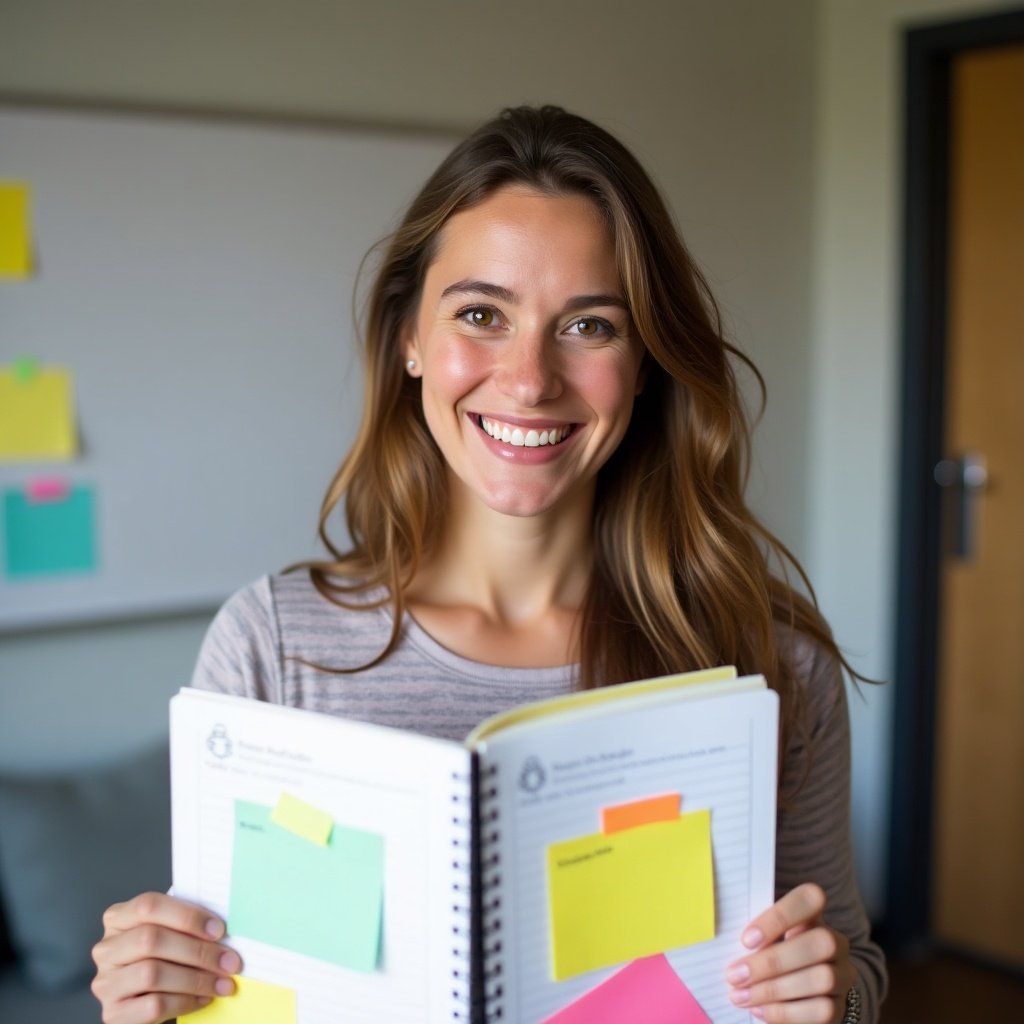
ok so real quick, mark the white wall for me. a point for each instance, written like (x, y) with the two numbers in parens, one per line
(86, 695)
(855, 383)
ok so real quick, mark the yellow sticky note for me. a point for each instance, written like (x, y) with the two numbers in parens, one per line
(305, 820)
(254, 1002)
(631, 894)
(15, 231)
(37, 419)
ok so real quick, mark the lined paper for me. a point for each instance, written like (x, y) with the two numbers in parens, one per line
(227, 749)
(715, 757)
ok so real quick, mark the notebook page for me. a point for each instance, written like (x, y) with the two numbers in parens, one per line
(554, 778)
(232, 756)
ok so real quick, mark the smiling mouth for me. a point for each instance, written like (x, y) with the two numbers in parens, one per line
(520, 438)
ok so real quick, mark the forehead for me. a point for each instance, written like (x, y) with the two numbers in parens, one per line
(528, 234)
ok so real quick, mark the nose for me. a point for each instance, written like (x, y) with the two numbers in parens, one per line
(527, 369)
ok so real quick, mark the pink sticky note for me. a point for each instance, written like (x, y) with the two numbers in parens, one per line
(647, 990)
(47, 488)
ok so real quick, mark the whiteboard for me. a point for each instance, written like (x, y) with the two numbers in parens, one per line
(196, 276)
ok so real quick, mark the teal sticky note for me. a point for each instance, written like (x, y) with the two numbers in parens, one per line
(52, 536)
(323, 901)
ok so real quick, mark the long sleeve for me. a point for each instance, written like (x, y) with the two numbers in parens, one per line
(241, 651)
(814, 831)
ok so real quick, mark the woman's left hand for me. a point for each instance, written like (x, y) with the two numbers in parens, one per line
(799, 971)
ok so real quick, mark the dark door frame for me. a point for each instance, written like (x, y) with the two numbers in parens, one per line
(929, 52)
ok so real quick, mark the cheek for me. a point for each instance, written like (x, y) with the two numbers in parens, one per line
(610, 387)
(455, 367)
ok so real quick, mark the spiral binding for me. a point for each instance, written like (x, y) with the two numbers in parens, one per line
(478, 986)
(462, 895)
(489, 873)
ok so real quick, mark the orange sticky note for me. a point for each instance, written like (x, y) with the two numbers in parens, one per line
(640, 812)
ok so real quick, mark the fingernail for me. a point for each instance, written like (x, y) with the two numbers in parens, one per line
(737, 974)
(740, 996)
(230, 962)
(224, 986)
(753, 937)
(214, 928)
(757, 1012)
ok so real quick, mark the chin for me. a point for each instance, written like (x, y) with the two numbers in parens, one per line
(519, 508)
(526, 503)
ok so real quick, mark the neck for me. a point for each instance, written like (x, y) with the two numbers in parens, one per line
(512, 570)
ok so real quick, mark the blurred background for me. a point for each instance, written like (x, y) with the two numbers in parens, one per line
(778, 132)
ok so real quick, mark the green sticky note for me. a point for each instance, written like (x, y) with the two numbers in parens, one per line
(45, 537)
(323, 901)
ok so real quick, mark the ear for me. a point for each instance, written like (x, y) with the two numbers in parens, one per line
(411, 350)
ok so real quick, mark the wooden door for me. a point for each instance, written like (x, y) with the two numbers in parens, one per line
(978, 891)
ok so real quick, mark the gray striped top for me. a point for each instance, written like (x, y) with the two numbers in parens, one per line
(268, 638)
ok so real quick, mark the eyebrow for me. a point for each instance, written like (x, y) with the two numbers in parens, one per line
(497, 291)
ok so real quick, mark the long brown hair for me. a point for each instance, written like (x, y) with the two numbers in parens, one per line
(684, 576)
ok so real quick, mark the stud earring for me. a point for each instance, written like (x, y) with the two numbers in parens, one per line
(411, 365)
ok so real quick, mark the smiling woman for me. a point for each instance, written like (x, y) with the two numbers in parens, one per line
(546, 492)
(522, 331)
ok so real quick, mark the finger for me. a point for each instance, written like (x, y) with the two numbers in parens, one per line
(154, 942)
(802, 905)
(818, 980)
(153, 1008)
(816, 946)
(159, 908)
(137, 979)
(820, 1010)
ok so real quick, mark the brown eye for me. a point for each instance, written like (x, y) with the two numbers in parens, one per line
(481, 317)
(592, 327)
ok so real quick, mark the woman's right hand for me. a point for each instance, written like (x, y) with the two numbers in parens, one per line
(160, 958)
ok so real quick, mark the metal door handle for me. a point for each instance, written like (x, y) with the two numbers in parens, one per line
(962, 480)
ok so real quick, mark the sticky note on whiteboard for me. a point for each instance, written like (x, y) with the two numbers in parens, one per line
(15, 230)
(634, 893)
(49, 532)
(37, 412)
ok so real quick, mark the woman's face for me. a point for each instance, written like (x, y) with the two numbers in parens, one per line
(525, 348)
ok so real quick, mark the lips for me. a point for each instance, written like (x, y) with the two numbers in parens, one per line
(519, 436)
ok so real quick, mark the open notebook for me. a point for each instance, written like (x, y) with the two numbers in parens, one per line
(588, 858)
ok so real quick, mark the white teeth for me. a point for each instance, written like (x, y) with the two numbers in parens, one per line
(517, 438)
